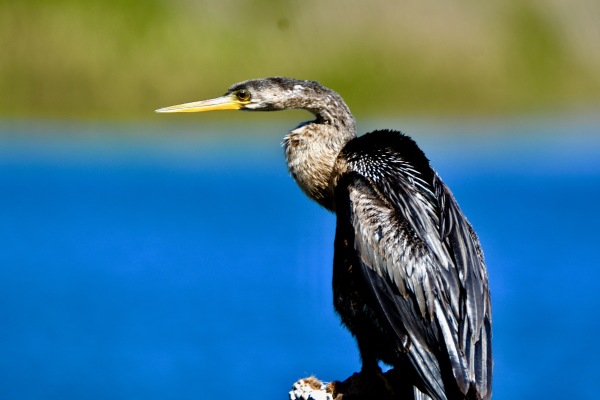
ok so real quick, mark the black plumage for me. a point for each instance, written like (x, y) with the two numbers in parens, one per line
(409, 278)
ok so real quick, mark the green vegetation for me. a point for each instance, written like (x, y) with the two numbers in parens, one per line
(124, 58)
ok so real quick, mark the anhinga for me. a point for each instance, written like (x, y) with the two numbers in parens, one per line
(409, 278)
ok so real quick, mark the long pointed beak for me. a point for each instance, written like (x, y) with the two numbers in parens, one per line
(227, 102)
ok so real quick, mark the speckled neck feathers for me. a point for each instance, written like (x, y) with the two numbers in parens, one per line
(312, 148)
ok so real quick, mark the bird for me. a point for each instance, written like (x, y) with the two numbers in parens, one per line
(409, 276)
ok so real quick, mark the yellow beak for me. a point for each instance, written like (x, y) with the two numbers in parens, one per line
(227, 102)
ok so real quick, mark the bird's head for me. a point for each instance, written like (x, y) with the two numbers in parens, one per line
(268, 94)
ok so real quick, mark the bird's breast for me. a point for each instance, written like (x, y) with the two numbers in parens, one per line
(310, 159)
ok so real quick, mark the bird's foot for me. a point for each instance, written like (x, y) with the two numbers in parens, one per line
(366, 385)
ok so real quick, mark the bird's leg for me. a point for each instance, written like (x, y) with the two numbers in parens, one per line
(374, 381)
(370, 364)
(369, 384)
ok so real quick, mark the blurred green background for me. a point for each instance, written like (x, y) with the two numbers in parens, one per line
(121, 59)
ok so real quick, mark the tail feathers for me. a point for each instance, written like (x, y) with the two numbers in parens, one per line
(418, 395)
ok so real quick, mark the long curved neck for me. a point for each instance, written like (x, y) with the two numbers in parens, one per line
(312, 148)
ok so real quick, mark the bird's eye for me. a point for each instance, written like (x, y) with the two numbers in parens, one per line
(243, 95)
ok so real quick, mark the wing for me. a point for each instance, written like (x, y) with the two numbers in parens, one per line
(424, 270)
(475, 313)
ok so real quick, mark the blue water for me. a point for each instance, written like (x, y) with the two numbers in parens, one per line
(182, 262)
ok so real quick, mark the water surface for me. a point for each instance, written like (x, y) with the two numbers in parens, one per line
(152, 263)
